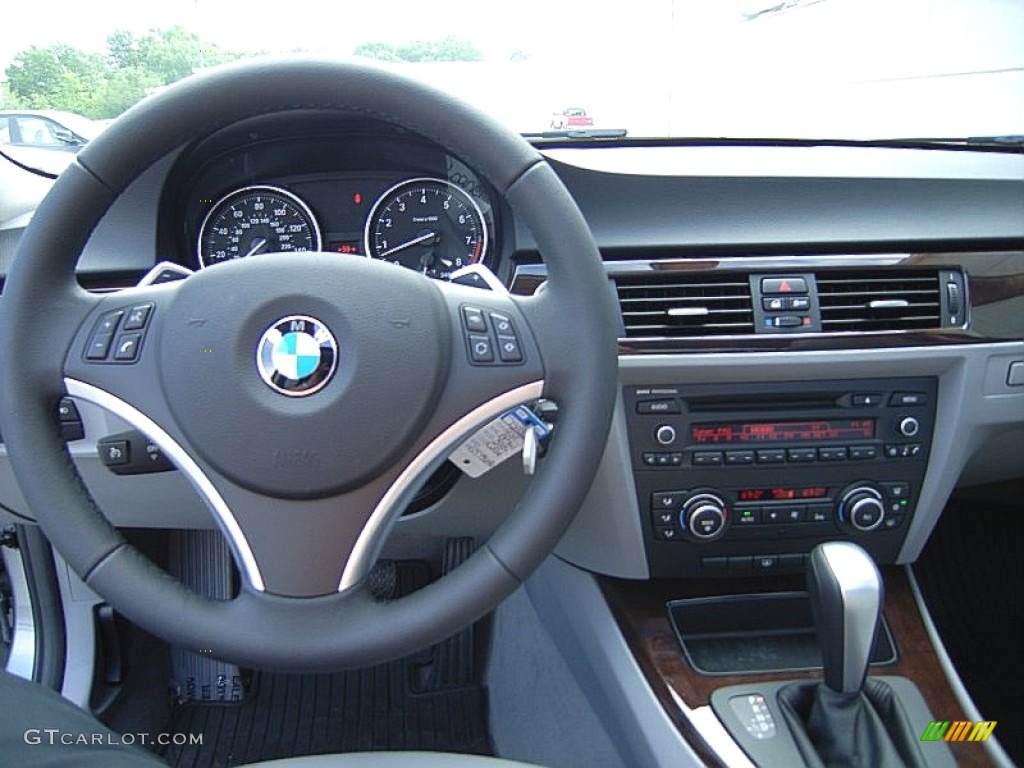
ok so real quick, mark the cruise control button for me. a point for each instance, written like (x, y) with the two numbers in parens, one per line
(474, 320)
(509, 349)
(137, 317)
(480, 349)
(127, 346)
(502, 325)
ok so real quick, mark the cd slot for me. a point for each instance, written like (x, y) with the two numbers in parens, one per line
(787, 401)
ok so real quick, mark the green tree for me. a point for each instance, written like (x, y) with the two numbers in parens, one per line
(446, 49)
(61, 77)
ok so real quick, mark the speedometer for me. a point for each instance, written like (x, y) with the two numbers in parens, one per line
(253, 220)
(427, 224)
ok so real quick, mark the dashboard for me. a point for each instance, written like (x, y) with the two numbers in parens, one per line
(816, 340)
(311, 186)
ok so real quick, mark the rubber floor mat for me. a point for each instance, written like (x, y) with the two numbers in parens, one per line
(372, 709)
(970, 574)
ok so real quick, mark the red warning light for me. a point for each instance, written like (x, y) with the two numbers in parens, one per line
(357, 198)
(785, 287)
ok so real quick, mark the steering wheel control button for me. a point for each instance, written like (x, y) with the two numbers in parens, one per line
(474, 320)
(137, 317)
(297, 356)
(113, 452)
(509, 350)
(99, 346)
(491, 341)
(480, 349)
(132, 453)
(127, 348)
(108, 323)
(67, 411)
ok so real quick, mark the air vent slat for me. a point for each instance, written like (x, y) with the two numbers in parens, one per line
(668, 306)
(870, 300)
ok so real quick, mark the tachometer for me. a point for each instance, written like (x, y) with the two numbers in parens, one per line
(255, 220)
(427, 224)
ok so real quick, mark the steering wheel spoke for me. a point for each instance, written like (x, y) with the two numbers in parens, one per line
(305, 395)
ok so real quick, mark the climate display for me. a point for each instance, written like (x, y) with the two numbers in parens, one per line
(781, 494)
(782, 431)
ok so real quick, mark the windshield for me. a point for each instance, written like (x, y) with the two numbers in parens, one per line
(818, 69)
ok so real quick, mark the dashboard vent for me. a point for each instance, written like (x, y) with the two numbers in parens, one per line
(679, 305)
(893, 300)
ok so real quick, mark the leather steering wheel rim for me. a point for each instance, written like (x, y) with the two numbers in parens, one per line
(573, 323)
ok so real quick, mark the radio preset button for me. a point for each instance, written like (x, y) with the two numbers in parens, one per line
(739, 457)
(707, 459)
(832, 454)
(771, 456)
(802, 454)
(863, 452)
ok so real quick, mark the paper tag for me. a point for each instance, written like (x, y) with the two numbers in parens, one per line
(497, 441)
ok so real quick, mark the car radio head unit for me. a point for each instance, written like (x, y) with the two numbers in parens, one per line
(745, 478)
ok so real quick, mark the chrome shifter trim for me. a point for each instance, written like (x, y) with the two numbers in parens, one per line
(860, 588)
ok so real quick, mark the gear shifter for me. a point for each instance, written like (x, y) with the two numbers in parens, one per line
(845, 590)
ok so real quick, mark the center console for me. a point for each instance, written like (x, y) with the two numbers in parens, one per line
(746, 478)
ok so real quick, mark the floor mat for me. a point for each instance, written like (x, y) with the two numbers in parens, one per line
(374, 709)
(431, 701)
(970, 574)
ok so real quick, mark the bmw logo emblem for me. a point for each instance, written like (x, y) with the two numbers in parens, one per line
(297, 356)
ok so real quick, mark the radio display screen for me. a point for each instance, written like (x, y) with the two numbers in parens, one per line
(781, 494)
(815, 430)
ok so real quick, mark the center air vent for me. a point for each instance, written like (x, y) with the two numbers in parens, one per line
(675, 305)
(889, 300)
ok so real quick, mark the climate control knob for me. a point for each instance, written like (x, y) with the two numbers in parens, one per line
(863, 507)
(704, 516)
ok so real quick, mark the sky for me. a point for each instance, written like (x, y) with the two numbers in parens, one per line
(859, 68)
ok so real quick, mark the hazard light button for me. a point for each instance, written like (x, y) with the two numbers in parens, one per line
(783, 285)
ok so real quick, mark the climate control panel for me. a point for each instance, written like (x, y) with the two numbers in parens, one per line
(749, 478)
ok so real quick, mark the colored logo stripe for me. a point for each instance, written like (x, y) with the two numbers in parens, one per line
(958, 730)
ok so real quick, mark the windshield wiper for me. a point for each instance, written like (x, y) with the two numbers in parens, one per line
(578, 133)
(1010, 141)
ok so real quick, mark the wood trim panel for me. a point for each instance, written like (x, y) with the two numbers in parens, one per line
(639, 609)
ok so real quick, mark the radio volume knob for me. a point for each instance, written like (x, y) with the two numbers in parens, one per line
(665, 434)
(862, 508)
(704, 516)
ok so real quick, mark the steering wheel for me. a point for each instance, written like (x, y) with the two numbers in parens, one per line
(303, 395)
